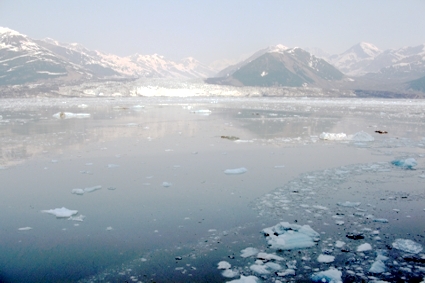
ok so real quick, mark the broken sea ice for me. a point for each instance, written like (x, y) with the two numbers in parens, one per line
(408, 163)
(61, 212)
(286, 236)
(407, 245)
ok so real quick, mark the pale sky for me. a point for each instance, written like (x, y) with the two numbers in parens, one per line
(210, 30)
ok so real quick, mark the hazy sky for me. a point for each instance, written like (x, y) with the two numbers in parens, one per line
(217, 29)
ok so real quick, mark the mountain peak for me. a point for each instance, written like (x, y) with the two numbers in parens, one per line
(4, 30)
(277, 48)
(365, 50)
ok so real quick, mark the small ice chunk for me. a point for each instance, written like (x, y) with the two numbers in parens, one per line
(25, 229)
(166, 184)
(92, 189)
(109, 228)
(228, 273)
(364, 247)
(61, 212)
(260, 269)
(407, 245)
(362, 137)
(113, 166)
(328, 276)
(69, 115)
(245, 279)
(273, 266)
(349, 204)
(408, 163)
(325, 258)
(205, 112)
(286, 272)
(339, 244)
(249, 252)
(266, 256)
(377, 267)
(333, 136)
(224, 265)
(77, 191)
(291, 236)
(339, 222)
(235, 171)
(79, 218)
(380, 220)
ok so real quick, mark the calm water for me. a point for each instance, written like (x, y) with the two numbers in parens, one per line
(166, 212)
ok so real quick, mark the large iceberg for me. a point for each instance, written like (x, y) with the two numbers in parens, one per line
(286, 236)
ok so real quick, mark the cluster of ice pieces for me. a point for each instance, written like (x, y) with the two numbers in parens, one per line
(357, 137)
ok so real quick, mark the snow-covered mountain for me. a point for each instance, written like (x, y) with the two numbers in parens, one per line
(23, 59)
(280, 66)
(356, 61)
(367, 59)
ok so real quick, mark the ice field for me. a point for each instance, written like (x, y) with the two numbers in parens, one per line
(157, 189)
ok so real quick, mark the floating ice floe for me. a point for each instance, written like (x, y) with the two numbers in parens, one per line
(357, 137)
(69, 115)
(77, 192)
(407, 245)
(228, 273)
(25, 229)
(378, 266)
(92, 189)
(329, 276)
(166, 184)
(245, 279)
(266, 256)
(291, 236)
(408, 163)
(249, 252)
(236, 171)
(79, 218)
(61, 212)
(364, 247)
(325, 258)
(349, 204)
(223, 265)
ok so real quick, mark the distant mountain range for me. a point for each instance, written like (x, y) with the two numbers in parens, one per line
(364, 66)
(24, 60)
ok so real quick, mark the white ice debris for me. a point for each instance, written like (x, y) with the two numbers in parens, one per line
(328, 276)
(228, 273)
(349, 204)
(339, 244)
(205, 112)
(166, 184)
(92, 189)
(235, 171)
(260, 269)
(378, 266)
(69, 115)
(408, 163)
(223, 265)
(249, 252)
(61, 212)
(77, 191)
(266, 256)
(113, 165)
(407, 245)
(79, 218)
(325, 258)
(333, 136)
(364, 247)
(245, 279)
(286, 272)
(291, 236)
(25, 229)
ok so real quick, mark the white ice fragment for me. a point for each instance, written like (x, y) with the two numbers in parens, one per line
(286, 272)
(349, 204)
(235, 171)
(113, 165)
(339, 244)
(328, 276)
(260, 269)
(92, 189)
(291, 236)
(61, 212)
(69, 115)
(79, 218)
(245, 279)
(325, 258)
(204, 112)
(25, 229)
(380, 220)
(378, 266)
(339, 222)
(333, 136)
(408, 163)
(320, 207)
(228, 273)
(407, 245)
(109, 228)
(243, 141)
(362, 137)
(166, 184)
(224, 265)
(249, 252)
(266, 256)
(77, 191)
(273, 266)
(364, 247)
